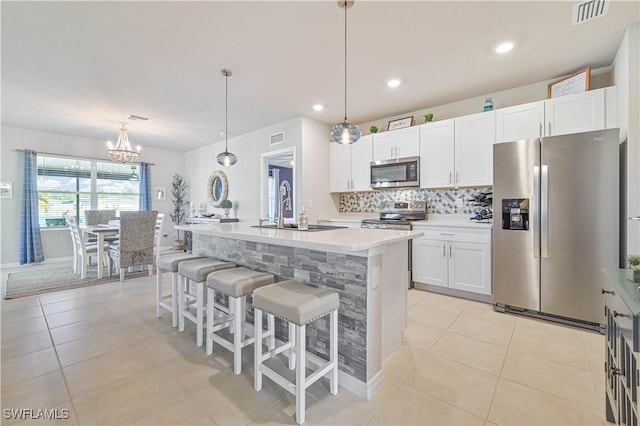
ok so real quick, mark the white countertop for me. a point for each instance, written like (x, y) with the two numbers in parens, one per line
(337, 240)
(459, 221)
(346, 217)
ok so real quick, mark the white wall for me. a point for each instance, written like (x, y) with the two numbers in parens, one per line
(315, 169)
(57, 243)
(626, 72)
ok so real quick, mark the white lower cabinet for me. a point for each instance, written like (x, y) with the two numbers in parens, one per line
(456, 258)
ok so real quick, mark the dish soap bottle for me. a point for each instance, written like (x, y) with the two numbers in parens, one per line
(303, 221)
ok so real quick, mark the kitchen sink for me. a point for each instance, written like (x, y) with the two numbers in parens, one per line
(294, 227)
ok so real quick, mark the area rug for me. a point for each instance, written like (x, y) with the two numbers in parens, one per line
(55, 278)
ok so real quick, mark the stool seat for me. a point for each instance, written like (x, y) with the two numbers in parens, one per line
(197, 270)
(170, 262)
(238, 282)
(295, 302)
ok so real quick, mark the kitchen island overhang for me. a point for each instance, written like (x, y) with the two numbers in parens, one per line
(367, 267)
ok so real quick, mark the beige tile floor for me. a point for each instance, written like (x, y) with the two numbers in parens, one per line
(100, 353)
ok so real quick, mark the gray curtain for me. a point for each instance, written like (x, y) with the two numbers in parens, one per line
(30, 244)
(145, 187)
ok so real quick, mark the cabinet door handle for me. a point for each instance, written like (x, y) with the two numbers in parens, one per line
(391, 151)
(603, 291)
(457, 177)
(450, 177)
(449, 251)
(445, 233)
(549, 128)
(540, 129)
(444, 250)
(618, 314)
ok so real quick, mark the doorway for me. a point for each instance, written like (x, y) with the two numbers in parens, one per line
(278, 170)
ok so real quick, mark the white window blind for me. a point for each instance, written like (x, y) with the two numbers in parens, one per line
(69, 186)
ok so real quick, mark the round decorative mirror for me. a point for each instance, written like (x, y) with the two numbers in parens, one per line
(218, 188)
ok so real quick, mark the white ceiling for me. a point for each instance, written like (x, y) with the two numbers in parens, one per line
(79, 68)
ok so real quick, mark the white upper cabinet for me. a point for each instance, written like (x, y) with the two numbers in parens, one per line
(361, 154)
(349, 165)
(339, 167)
(437, 149)
(457, 152)
(520, 122)
(577, 113)
(396, 144)
(581, 112)
(474, 138)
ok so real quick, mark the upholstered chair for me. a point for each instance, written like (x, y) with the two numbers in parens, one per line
(100, 217)
(137, 240)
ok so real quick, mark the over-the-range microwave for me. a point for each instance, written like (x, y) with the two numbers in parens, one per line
(395, 173)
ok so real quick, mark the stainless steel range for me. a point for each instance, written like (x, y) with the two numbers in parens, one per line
(399, 215)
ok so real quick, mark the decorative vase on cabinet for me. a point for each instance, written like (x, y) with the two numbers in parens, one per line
(488, 104)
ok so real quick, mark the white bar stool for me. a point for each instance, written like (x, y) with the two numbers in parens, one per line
(236, 283)
(170, 263)
(298, 304)
(196, 271)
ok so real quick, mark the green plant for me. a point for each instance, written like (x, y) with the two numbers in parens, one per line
(178, 198)
(226, 204)
(428, 118)
(373, 129)
(634, 259)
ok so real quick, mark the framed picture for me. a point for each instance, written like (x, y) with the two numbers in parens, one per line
(160, 193)
(577, 82)
(6, 189)
(400, 123)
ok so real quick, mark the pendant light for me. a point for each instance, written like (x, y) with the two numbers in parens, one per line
(345, 133)
(226, 158)
(122, 152)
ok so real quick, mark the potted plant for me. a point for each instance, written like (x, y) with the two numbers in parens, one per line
(226, 206)
(633, 271)
(373, 129)
(178, 198)
(428, 118)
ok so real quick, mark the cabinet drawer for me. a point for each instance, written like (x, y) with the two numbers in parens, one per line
(455, 234)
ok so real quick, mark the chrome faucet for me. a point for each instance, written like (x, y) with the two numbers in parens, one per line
(283, 192)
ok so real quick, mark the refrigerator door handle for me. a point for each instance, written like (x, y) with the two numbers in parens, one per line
(536, 212)
(544, 212)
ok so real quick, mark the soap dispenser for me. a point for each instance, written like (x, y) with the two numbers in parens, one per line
(303, 221)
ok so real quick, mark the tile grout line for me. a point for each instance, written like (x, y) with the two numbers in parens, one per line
(55, 350)
(495, 390)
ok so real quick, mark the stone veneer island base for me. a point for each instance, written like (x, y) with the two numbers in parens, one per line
(367, 267)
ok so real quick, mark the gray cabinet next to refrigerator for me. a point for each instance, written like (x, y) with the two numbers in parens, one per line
(559, 224)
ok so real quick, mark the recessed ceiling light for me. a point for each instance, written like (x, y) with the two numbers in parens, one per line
(504, 47)
(318, 107)
(393, 82)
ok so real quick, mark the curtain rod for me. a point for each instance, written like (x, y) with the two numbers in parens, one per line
(75, 156)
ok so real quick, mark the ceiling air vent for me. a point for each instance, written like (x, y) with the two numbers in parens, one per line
(132, 117)
(588, 10)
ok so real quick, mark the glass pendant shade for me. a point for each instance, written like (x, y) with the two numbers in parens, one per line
(227, 159)
(345, 133)
(122, 151)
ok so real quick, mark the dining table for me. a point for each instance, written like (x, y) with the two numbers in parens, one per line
(100, 231)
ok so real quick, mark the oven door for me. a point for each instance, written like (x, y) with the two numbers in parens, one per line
(395, 173)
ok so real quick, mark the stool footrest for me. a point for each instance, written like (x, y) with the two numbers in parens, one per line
(275, 351)
(286, 384)
(313, 377)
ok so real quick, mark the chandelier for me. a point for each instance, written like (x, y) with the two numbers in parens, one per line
(226, 158)
(122, 152)
(345, 133)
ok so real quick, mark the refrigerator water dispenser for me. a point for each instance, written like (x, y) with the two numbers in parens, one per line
(515, 214)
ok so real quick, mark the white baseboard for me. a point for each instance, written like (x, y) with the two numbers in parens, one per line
(53, 261)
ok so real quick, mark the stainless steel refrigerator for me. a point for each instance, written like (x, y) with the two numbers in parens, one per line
(555, 224)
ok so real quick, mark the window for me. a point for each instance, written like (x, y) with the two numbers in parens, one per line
(69, 186)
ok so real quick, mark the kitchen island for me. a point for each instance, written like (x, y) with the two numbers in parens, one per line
(367, 267)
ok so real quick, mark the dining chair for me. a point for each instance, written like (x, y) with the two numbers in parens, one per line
(136, 244)
(82, 251)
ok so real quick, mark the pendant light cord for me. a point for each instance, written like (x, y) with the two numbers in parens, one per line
(345, 60)
(226, 111)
